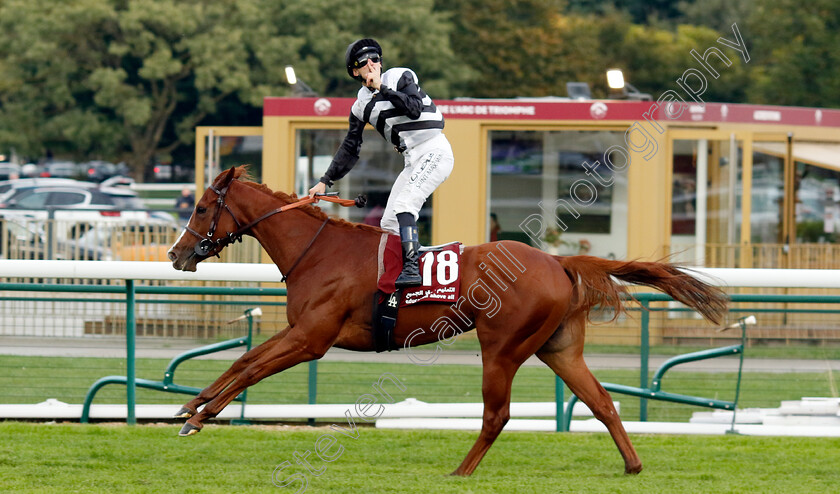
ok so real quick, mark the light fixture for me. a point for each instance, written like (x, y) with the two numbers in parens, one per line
(578, 90)
(290, 75)
(622, 89)
(299, 88)
(615, 78)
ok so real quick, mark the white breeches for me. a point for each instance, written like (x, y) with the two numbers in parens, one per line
(427, 165)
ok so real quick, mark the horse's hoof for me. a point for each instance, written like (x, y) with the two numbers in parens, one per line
(188, 430)
(633, 470)
(184, 413)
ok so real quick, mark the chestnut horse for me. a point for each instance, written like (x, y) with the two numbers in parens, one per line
(541, 303)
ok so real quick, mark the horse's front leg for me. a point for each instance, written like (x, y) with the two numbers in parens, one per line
(212, 391)
(295, 347)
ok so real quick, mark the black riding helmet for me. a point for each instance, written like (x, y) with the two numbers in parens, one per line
(358, 54)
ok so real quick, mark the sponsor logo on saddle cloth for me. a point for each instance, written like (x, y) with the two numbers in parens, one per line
(439, 266)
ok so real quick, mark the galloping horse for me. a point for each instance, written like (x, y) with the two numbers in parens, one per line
(541, 308)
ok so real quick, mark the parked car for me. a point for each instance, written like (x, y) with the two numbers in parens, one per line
(75, 208)
(132, 242)
(26, 239)
(61, 169)
(9, 171)
(98, 170)
(10, 187)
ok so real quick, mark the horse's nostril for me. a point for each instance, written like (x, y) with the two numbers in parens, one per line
(172, 256)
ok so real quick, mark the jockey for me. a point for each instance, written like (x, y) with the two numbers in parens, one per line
(394, 104)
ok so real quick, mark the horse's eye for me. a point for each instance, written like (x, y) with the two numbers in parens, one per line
(200, 210)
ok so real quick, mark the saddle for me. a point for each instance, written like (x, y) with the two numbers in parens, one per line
(440, 267)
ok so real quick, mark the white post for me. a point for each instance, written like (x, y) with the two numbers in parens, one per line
(701, 190)
(733, 181)
(211, 157)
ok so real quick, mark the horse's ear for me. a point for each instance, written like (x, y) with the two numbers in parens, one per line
(225, 178)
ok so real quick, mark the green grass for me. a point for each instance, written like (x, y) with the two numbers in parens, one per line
(38, 458)
(468, 343)
(35, 379)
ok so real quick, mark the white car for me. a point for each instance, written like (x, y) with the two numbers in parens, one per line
(74, 208)
(9, 170)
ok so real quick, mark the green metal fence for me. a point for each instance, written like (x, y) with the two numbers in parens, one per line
(250, 296)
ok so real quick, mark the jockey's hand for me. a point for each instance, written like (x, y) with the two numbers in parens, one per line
(374, 76)
(319, 188)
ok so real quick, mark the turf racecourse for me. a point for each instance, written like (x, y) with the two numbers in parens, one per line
(151, 458)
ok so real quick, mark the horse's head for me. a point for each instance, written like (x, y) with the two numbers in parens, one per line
(206, 233)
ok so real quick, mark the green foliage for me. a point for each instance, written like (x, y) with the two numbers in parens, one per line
(110, 79)
(716, 14)
(129, 81)
(319, 31)
(517, 49)
(795, 47)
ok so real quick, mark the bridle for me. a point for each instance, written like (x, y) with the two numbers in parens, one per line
(207, 244)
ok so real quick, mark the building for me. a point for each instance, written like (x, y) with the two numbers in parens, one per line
(720, 185)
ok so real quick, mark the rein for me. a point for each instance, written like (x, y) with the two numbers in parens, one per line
(207, 244)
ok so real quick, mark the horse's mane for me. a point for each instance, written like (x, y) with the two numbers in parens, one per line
(310, 209)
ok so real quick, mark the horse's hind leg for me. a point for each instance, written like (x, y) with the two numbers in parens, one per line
(210, 392)
(568, 363)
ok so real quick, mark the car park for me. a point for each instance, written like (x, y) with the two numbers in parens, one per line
(148, 241)
(98, 171)
(8, 188)
(75, 208)
(61, 169)
(9, 171)
(25, 239)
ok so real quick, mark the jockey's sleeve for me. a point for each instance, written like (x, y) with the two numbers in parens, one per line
(348, 153)
(406, 97)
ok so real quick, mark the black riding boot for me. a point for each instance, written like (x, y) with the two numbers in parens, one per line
(410, 275)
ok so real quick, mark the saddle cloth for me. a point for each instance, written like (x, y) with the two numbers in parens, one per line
(439, 266)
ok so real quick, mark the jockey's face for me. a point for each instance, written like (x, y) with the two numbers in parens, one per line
(368, 68)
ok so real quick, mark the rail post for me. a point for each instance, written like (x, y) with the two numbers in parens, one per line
(560, 402)
(313, 386)
(130, 374)
(644, 356)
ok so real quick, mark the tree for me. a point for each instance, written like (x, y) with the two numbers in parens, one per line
(318, 32)
(654, 58)
(716, 14)
(109, 78)
(794, 45)
(130, 80)
(523, 48)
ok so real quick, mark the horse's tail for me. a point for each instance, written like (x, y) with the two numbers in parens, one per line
(591, 277)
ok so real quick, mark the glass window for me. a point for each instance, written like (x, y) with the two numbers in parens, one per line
(550, 189)
(242, 150)
(708, 166)
(684, 192)
(123, 201)
(768, 192)
(374, 174)
(817, 204)
(32, 199)
(62, 198)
